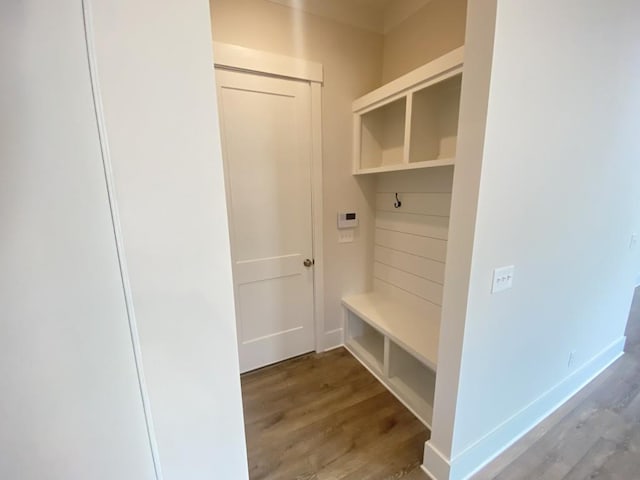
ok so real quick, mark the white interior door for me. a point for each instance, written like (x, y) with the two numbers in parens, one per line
(266, 137)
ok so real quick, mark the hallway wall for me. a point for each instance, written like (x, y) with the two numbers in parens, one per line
(557, 197)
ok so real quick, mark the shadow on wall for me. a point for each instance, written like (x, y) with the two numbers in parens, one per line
(632, 332)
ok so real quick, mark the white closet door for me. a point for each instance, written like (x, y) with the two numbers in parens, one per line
(70, 403)
(266, 138)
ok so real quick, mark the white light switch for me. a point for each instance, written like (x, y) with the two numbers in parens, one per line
(634, 241)
(345, 236)
(502, 279)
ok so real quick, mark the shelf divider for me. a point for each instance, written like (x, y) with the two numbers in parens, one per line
(407, 131)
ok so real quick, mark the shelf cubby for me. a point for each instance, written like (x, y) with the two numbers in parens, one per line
(383, 133)
(434, 121)
(411, 122)
(412, 381)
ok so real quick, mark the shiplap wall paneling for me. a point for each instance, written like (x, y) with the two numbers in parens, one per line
(432, 227)
(409, 282)
(426, 203)
(422, 307)
(411, 241)
(419, 266)
(432, 248)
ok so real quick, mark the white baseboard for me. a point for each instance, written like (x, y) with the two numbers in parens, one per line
(480, 453)
(427, 472)
(333, 339)
(439, 467)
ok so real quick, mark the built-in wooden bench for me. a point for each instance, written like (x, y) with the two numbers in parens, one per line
(398, 344)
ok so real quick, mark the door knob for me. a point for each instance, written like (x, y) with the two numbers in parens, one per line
(308, 262)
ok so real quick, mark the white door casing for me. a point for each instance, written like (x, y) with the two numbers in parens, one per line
(267, 148)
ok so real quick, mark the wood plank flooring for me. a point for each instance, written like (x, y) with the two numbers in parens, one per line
(325, 417)
(595, 435)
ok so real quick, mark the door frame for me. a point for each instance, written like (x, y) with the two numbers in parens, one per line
(233, 57)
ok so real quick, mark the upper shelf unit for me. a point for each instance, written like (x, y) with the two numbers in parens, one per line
(411, 122)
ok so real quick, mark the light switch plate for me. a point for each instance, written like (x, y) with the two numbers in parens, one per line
(634, 241)
(345, 236)
(502, 279)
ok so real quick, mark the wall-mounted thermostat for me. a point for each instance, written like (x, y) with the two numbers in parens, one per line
(347, 220)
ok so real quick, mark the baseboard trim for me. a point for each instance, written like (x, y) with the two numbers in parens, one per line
(427, 472)
(483, 451)
(333, 339)
(439, 466)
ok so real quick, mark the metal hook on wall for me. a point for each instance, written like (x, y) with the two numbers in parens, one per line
(397, 203)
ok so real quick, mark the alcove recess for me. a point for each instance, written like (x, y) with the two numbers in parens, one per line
(406, 132)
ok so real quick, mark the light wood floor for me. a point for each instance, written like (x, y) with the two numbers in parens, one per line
(595, 435)
(324, 417)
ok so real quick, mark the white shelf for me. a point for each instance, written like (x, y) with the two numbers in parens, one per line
(411, 122)
(444, 162)
(435, 71)
(413, 331)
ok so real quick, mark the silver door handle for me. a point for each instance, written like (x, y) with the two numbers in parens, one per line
(308, 262)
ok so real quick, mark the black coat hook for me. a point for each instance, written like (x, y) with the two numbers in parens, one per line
(397, 203)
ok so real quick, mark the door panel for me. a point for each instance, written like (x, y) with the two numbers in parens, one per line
(266, 136)
(272, 296)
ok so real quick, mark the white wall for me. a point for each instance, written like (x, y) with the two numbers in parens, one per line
(70, 405)
(352, 60)
(156, 78)
(435, 29)
(558, 198)
(471, 135)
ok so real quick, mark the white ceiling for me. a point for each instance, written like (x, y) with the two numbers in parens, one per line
(376, 15)
(379, 5)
